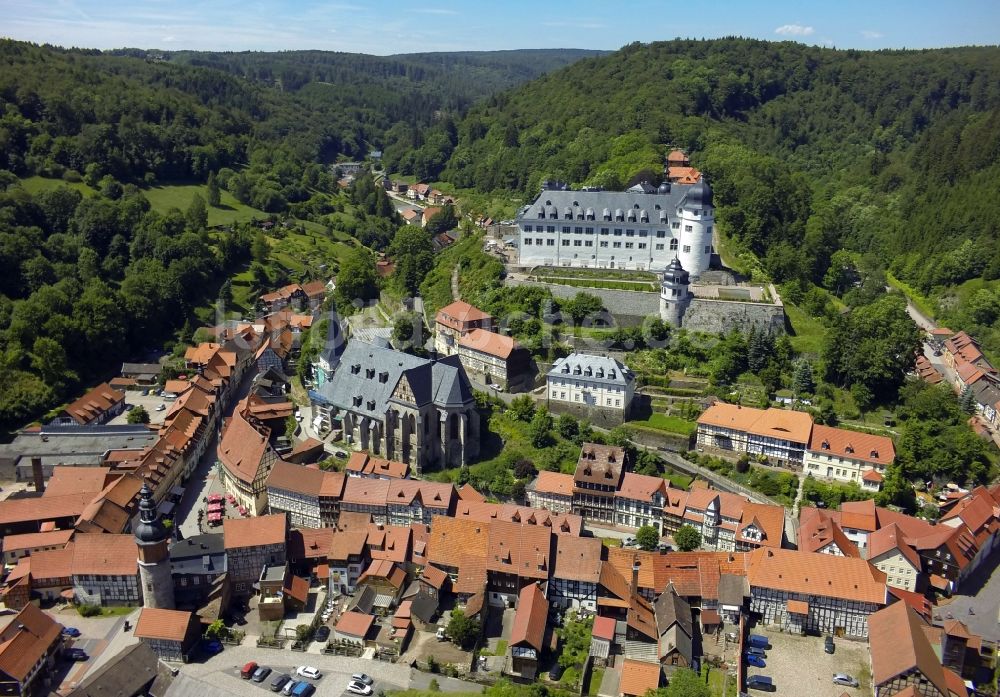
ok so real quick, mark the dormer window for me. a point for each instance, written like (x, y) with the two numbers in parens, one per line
(849, 448)
(371, 405)
(611, 457)
(588, 372)
(576, 370)
(600, 372)
(357, 400)
(383, 377)
(874, 454)
(369, 373)
(356, 368)
(611, 375)
(825, 445)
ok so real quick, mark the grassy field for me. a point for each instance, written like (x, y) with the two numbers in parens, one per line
(808, 334)
(163, 198)
(585, 283)
(679, 479)
(602, 274)
(36, 185)
(670, 424)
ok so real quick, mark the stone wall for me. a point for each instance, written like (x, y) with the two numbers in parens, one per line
(631, 307)
(721, 316)
(603, 418)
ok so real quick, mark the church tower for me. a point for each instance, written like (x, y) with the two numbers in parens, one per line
(154, 554)
(675, 296)
(697, 218)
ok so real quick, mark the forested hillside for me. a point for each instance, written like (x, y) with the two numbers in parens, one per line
(94, 273)
(890, 156)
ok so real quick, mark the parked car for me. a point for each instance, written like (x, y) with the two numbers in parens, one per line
(845, 680)
(77, 655)
(440, 635)
(362, 678)
(304, 689)
(161, 407)
(758, 640)
(260, 675)
(756, 651)
(71, 631)
(755, 661)
(289, 686)
(280, 681)
(247, 672)
(309, 672)
(760, 682)
(323, 633)
(359, 688)
(828, 644)
(212, 647)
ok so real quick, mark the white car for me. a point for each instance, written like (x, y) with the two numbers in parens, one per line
(359, 688)
(362, 678)
(161, 407)
(309, 672)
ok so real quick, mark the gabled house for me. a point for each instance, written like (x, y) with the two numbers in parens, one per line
(454, 321)
(251, 544)
(247, 458)
(576, 571)
(902, 657)
(891, 553)
(172, 634)
(29, 646)
(527, 636)
(598, 475)
(98, 406)
(675, 630)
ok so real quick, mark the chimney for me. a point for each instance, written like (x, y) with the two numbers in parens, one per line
(634, 587)
(38, 473)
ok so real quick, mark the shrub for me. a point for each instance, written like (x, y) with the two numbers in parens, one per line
(89, 610)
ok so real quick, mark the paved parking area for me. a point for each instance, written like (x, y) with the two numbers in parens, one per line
(799, 666)
(222, 673)
(981, 592)
(135, 398)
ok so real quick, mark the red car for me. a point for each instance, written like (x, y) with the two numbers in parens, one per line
(248, 670)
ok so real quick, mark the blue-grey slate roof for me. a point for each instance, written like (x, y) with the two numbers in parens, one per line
(596, 202)
(443, 383)
(598, 365)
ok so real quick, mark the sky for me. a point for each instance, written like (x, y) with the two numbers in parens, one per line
(380, 27)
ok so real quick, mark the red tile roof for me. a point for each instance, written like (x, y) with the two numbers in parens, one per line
(519, 549)
(363, 463)
(638, 677)
(577, 558)
(817, 530)
(554, 483)
(255, 532)
(100, 554)
(852, 444)
(95, 403)
(490, 343)
(604, 628)
(898, 645)
(434, 577)
(816, 574)
(529, 620)
(35, 540)
(891, 538)
(355, 624)
(76, 480)
(297, 587)
(243, 446)
(171, 625)
(459, 315)
(467, 492)
(788, 425)
(24, 641)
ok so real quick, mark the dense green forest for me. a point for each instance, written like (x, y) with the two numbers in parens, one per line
(95, 274)
(891, 157)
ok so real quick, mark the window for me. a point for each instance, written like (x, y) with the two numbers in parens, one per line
(708, 249)
(577, 243)
(605, 231)
(618, 245)
(562, 395)
(588, 243)
(554, 394)
(642, 245)
(618, 232)
(565, 243)
(687, 249)
(709, 229)
(659, 247)
(673, 245)
(688, 228)
(589, 231)
(550, 243)
(550, 228)
(527, 228)
(565, 228)
(527, 241)
(618, 402)
(629, 245)
(609, 401)
(578, 230)
(538, 241)
(675, 226)
(604, 244)
(630, 233)
(661, 234)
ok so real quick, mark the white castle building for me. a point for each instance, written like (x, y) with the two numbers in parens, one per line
(643, 228)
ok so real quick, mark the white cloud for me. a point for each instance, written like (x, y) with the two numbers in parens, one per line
(869, 34)
(794, 30)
